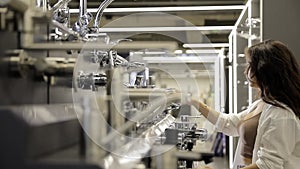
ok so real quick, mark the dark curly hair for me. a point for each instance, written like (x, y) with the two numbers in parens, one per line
(274, 69)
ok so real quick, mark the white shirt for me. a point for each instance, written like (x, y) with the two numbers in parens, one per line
(277, 144)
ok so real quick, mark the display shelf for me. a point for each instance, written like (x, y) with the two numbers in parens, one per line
(246, 32)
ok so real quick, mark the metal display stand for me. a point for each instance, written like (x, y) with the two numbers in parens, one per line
(247, 32)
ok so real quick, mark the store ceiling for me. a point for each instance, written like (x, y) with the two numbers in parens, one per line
(196, 18)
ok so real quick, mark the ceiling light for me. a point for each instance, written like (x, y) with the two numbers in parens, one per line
(206, 45)
(203, 51)
(162, 29)
(178, 51)
(164, 9)
(149, 52)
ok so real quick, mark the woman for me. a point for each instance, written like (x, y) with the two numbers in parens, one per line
(270, 129)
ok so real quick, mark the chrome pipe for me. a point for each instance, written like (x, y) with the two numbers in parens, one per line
(59, 5)
(100, 11)
(82, 7)
(150, 111)
(64, 28)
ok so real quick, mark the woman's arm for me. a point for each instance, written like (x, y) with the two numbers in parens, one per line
(226, 123)
(206, 111)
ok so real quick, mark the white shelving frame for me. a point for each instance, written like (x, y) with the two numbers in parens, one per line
(240, 93)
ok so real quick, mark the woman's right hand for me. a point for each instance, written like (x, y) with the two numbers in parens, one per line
(209, 113)
(200, 106)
